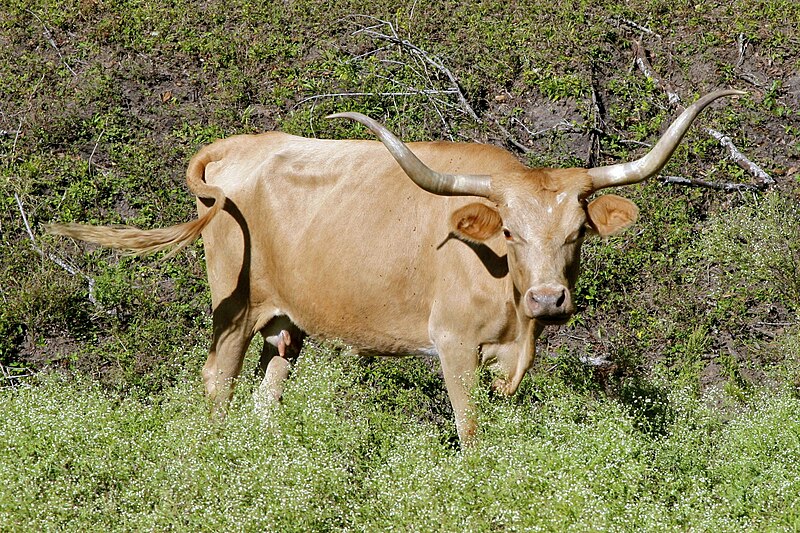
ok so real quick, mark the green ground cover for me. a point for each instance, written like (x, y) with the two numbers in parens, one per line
(345, 454)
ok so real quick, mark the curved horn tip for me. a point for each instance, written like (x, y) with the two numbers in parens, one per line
(731, 92)
(347, 114)
(723, 92)
(639, 170)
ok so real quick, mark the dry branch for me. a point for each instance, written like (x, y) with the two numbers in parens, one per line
(742, 42)
(644, 66)
(10, 377)
(631, 24)
(739, 158)
(96, 144)
(416, 92)
(431, 60)
(749, 77)
(383, 30)
(593, 156)
(508, 135)
(563, 125)
(54, 258)
(763, 180)
(703, 184)
(49, 37)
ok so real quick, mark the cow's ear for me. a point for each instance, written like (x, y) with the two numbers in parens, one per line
(476, 222)
(610, 214)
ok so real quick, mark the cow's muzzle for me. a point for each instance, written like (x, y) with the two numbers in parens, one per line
(549, 304)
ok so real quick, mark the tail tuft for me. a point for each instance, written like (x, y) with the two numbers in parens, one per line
(134, 240)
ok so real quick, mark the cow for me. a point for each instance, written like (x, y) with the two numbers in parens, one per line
(470, 259)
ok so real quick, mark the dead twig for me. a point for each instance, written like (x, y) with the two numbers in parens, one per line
(644, 66)
(91, 156)
(637, 143)
(383, 30)
(509, 136)
(749, 77)
(10, 377)
(739, 158)
(54, 258)
(631, 24)
(49, 37)
(593, 157)
(416, 92)
(563, 125)
(428, 58)
(763, 180)
(742, 42)
(703, 184)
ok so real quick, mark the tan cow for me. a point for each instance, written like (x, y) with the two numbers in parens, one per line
(469, 261)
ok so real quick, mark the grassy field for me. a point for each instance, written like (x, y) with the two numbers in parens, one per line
(690, 420)
(353, 450)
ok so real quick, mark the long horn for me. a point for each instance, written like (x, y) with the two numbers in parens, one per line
(419, 172)
(650, 164)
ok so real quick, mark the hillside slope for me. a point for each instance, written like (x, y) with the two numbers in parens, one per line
(103, 103)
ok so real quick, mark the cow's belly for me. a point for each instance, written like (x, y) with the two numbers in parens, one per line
(370, 329)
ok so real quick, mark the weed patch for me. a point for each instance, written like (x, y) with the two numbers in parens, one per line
(337, 455)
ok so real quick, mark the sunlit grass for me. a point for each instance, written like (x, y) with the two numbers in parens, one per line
(333, 457)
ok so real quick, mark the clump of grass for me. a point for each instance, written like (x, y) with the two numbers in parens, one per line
(756, 249)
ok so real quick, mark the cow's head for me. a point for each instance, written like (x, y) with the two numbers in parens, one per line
(544, 229)
(543, 214)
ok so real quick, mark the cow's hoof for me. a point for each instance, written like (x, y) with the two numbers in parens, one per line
(501, 386)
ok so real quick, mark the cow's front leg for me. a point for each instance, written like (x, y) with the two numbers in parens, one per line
(460, 367)
(514, 360)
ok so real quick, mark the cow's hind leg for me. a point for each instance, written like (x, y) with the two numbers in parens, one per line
(282, 344)
(232, 336)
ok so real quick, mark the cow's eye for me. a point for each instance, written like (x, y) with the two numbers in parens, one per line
(576, 235)
(506, 234)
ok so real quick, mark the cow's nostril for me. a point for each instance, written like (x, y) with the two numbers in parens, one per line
(561, 299)
(548, 299)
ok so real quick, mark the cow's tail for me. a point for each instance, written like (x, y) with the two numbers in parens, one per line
(140, 242)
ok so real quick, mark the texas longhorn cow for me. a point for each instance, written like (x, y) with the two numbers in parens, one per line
(469, 261)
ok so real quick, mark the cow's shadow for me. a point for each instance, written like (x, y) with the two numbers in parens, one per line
(495, 265)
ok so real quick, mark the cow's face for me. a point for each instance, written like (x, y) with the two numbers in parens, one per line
(544, 229)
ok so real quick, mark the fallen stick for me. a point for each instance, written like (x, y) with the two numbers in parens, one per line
(431, 60)
(631, 24)
(593, 156)
(640, 57)
(49, 37)
(418, 92)
(695, 182)
(763, 180)
(55, 259)
(739, 158)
